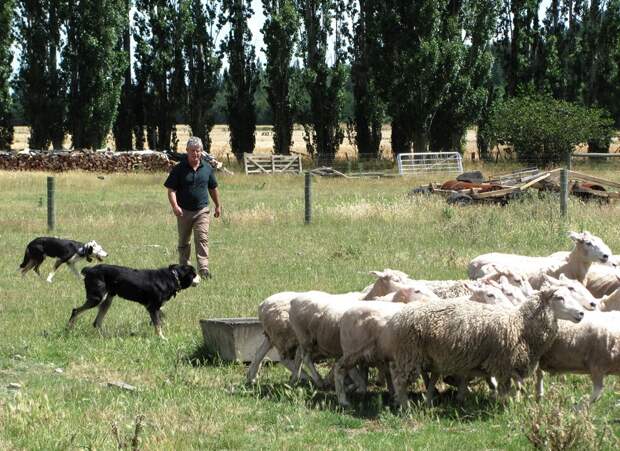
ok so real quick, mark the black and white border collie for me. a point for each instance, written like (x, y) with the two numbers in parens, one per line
(65, 251)
(149, 287)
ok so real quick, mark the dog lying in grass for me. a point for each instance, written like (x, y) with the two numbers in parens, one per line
(149, 287)
(64, 251)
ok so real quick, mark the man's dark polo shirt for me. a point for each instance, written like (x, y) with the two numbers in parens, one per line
(192, 186)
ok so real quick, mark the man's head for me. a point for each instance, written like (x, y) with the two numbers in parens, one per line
(194, 150)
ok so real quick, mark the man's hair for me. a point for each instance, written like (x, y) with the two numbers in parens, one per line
(194, 141)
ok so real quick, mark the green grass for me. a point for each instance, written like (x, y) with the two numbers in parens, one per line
(260, 246)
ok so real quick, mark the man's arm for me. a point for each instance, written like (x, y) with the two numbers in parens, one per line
(215, 196)
(172, 198)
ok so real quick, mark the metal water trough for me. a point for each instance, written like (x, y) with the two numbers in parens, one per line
(234, 339)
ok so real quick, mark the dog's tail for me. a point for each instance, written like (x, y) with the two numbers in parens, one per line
(26, 260)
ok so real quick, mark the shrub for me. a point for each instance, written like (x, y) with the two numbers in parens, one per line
(543, 130)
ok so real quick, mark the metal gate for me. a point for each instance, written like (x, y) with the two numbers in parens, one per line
(423, 162)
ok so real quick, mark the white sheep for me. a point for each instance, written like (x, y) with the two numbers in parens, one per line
(362, 325)
(316, 323)
(315, 319)
(610, 302)
(273, 314)
(602, 280)
(588, 249)
(590, 347)
(470, 339)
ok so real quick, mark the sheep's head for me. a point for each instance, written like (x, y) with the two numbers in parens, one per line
(592, 247)
(388, 281)
(414, 293)
(513, 293)
(487, 293)
(562, 301)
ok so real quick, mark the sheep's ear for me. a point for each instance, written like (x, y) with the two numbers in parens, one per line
(575, 236)
(377, 274)
(548, 282)
(494, 283)
(563, 277)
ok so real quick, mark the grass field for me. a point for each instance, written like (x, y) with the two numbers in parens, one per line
(260, 246)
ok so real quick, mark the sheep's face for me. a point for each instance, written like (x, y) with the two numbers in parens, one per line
(578, 292)
(514, 294)
(414, 294)
(592, 247)
(488, 293)
(564, 304)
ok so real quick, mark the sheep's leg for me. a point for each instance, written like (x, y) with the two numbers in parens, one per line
(362, 385)
(314, 374)
(261, 352)
(400, 379)
(358, 380)
(298, 374)
(384, 373)
(504, 389)
(540, 386)
(463, 388)
(339, 375)
(430, 388)
(597, 386)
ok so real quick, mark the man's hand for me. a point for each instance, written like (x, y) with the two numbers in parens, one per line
(177, 211)
(218, 211)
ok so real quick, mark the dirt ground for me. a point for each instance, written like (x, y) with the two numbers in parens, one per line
(264, 142)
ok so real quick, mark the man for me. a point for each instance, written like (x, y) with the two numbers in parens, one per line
(190, 184)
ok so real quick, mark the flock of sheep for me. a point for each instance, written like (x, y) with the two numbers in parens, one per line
(521, 314)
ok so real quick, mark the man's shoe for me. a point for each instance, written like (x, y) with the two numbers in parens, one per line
(205, 274)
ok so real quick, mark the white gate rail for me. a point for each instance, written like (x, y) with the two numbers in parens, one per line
(422, 162)
(256, 163)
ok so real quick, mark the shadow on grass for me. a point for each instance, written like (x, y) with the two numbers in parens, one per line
(370, 405)
(203, 356)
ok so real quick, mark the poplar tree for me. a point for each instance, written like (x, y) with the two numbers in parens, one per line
(94, 67)
(203, 65)
(470, 24)
(6, 39)
(40, 83)
(323, 82)
(124, 122)
(280, 33)
(368, 106)
(241, 78)
(418, 66)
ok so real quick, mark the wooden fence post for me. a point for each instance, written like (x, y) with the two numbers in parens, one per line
(564, 192)
(308, 198)
(51, 213)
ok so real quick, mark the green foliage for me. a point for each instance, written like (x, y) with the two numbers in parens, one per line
(203, 69)
(469, 91)
(94, 67)
(124, 121)
(418, 64)
(545, 131)
(6, 58)
(159, 30)
(280, 33)
(323, 82)
(41, 87)
(368, 107)
(557, 423)
(242, 77)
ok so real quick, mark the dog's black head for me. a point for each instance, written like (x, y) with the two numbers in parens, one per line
(185, 275)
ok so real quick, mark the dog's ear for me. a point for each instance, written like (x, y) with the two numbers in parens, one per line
(171, 267)
(88, 252)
